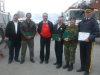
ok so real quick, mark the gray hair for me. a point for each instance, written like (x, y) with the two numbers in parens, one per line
(16, 15)
(45, 13)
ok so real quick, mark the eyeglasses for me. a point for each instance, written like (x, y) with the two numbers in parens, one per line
(88, 12)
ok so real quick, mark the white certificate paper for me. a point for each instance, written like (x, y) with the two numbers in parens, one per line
(82, 36)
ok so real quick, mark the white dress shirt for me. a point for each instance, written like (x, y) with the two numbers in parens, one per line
(16, 26)
(58, 26)
(45, 21)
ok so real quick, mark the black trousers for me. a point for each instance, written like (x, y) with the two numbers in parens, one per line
(14, 50)
(59, 51)
(44, 42)
(86, 55)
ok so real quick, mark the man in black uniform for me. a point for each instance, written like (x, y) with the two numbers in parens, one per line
(87, 26)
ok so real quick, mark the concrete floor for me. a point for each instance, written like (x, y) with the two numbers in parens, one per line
(36, 68)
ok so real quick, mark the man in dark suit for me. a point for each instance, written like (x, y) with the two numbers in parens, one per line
(45, 29)
(12, 35)
(59, 29)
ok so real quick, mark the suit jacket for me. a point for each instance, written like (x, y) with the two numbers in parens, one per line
(11, 33)
(59, 30)
(41, 24)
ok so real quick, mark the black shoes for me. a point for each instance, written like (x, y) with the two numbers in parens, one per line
(80, 70)
(86, 73)
(10, 61)
(70, 67)
(58, 66)
(46, 62)
(55, 63)
(17, 60)
(32, 60)
(22, 61)
(66, 66)
(41, 62)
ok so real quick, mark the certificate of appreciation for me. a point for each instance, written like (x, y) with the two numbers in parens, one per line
(82, 36)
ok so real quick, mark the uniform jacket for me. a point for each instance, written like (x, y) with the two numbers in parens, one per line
(73, 29)
(91, 26)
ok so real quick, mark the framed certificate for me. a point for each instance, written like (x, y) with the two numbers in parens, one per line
(9, 43)
(67, 35)
(56, 36)
(82, 36)
(28, 33)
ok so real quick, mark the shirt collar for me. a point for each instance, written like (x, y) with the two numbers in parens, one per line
(87, 18)
(59, 24)
(45, 21)
(15, 22)
(28, 22)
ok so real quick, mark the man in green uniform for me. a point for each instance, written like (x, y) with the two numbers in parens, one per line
(70, 44)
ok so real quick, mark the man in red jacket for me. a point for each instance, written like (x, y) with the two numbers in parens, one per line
(45, 29)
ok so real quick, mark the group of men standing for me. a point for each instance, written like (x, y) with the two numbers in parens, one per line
(22, 35)
(19, 35)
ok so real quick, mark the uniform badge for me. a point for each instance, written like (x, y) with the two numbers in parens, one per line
(60, 28)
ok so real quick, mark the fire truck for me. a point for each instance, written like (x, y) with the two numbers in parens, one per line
(78, 14)
(4, 18)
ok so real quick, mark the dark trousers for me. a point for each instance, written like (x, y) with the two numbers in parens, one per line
(14, 50)
(44, 42)
(59, 51)
(86, 55)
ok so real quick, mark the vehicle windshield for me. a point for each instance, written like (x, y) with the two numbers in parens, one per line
(77, 14)
(96, 15)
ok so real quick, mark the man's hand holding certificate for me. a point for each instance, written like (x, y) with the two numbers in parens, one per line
(56, 37)
(28, 35)
(83, 36)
